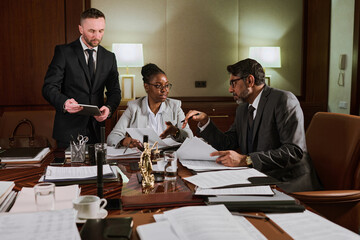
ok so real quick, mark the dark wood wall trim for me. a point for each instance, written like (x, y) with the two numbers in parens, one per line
(355, 81)
(317, 43)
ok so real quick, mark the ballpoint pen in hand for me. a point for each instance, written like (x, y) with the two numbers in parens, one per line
(191, 117)
(127, 147)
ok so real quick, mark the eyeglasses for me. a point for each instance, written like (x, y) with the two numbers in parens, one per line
(159, 86)
(232, 82)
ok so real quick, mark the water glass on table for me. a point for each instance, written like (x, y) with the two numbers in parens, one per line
(170, 169)
(45, 196)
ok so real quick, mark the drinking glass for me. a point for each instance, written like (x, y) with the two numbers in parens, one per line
(45, 196)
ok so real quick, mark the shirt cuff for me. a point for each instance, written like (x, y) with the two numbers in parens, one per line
(203, 127)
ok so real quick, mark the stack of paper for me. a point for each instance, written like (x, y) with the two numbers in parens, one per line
(21, 159)
(71, 174)
(64, 196)
(118, 153)
(7, 196)
(138, 133)
(59, 224)
(203, 222)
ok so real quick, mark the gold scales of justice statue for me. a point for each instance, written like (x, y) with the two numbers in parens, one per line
(145, 166)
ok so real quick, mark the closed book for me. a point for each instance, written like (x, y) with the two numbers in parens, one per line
(106, 229)
(278, 203)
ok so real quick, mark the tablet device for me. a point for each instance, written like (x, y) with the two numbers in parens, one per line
(91, 110)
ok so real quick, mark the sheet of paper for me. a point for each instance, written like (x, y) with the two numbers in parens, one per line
(38, 157)
(138, 133)
(195, 149)
(308, 225)
(57, 225)
(151, 231)
(253, 190)
(203, 165)
(113, 152)
(224, 178)
(5, 189)
(86, 172)
(25, 202)
(206, 222)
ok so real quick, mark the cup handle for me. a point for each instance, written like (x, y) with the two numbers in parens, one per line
(103, 201)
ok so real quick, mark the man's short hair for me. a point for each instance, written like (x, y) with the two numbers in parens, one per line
(246, 67)
(91, 13)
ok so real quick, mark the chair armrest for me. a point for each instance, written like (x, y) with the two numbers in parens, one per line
(332, 196)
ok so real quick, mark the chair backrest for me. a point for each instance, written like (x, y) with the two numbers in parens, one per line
(333, 142)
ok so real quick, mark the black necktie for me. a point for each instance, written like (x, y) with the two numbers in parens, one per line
(91, 64)
(250, 128)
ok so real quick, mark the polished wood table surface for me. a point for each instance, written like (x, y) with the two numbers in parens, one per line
(29, 176)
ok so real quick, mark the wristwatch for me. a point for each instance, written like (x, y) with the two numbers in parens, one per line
(177, 133)
(249, 162)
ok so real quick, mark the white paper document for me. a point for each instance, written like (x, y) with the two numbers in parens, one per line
(224, 178)
(308, 225)
(138, 133)
(55, 225)
(203, 165)
(206, 222)
(25, 202)
(253, 190)
(158, 230)
(195, 149)
(5, 189)
(64, 173)
(118, 153)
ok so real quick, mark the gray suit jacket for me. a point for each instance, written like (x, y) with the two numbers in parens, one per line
(279, 146)
(136, 116)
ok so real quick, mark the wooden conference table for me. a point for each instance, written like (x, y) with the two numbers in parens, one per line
(145, 205)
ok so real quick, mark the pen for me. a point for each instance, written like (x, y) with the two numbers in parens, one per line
(191, 117)
(127, 147)
(250, 215)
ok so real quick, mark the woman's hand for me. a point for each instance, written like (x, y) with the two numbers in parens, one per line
(170, 130)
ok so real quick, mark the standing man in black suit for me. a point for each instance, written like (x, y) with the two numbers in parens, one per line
(268, 131)
(78, 74)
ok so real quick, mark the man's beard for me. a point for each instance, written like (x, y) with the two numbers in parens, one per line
(243, 96)
(91, 42)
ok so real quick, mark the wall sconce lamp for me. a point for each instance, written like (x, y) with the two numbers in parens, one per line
(128, 55)
(268, 57)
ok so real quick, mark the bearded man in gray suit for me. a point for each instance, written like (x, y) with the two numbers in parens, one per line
(268, 132)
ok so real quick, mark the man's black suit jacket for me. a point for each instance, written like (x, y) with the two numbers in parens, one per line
(68, 77)
(279, 146)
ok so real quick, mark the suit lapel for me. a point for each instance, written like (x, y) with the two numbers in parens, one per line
(81, 57)
(260, 110)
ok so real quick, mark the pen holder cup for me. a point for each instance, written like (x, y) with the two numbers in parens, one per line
(100, 152)
(77, 152)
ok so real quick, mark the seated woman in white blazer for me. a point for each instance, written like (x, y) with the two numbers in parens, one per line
(155, 110)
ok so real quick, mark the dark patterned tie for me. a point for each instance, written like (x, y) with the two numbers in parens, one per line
(250, 128)
(91, 65)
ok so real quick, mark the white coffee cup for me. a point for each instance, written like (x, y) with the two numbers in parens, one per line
(89, 206)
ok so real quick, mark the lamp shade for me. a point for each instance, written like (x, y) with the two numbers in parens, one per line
(128, 54)
(266, 56)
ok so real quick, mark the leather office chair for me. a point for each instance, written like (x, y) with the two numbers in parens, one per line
(333, 142)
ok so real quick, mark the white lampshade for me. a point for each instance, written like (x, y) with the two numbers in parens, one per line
(128, 54)
(266, 56)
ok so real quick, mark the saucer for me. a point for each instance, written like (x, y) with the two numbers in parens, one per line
(101, 214)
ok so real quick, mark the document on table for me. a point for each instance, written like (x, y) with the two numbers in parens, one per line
(203, 165)
(118, 153)
(253, 190)
(206, 222)
(224, 178)
(58, 225)
(66, 173)
(138, 133)
(195, 149)
(64, 195)
(308, 225)
(151, 231)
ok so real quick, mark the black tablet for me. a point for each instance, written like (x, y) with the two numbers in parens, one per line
(91, 110)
